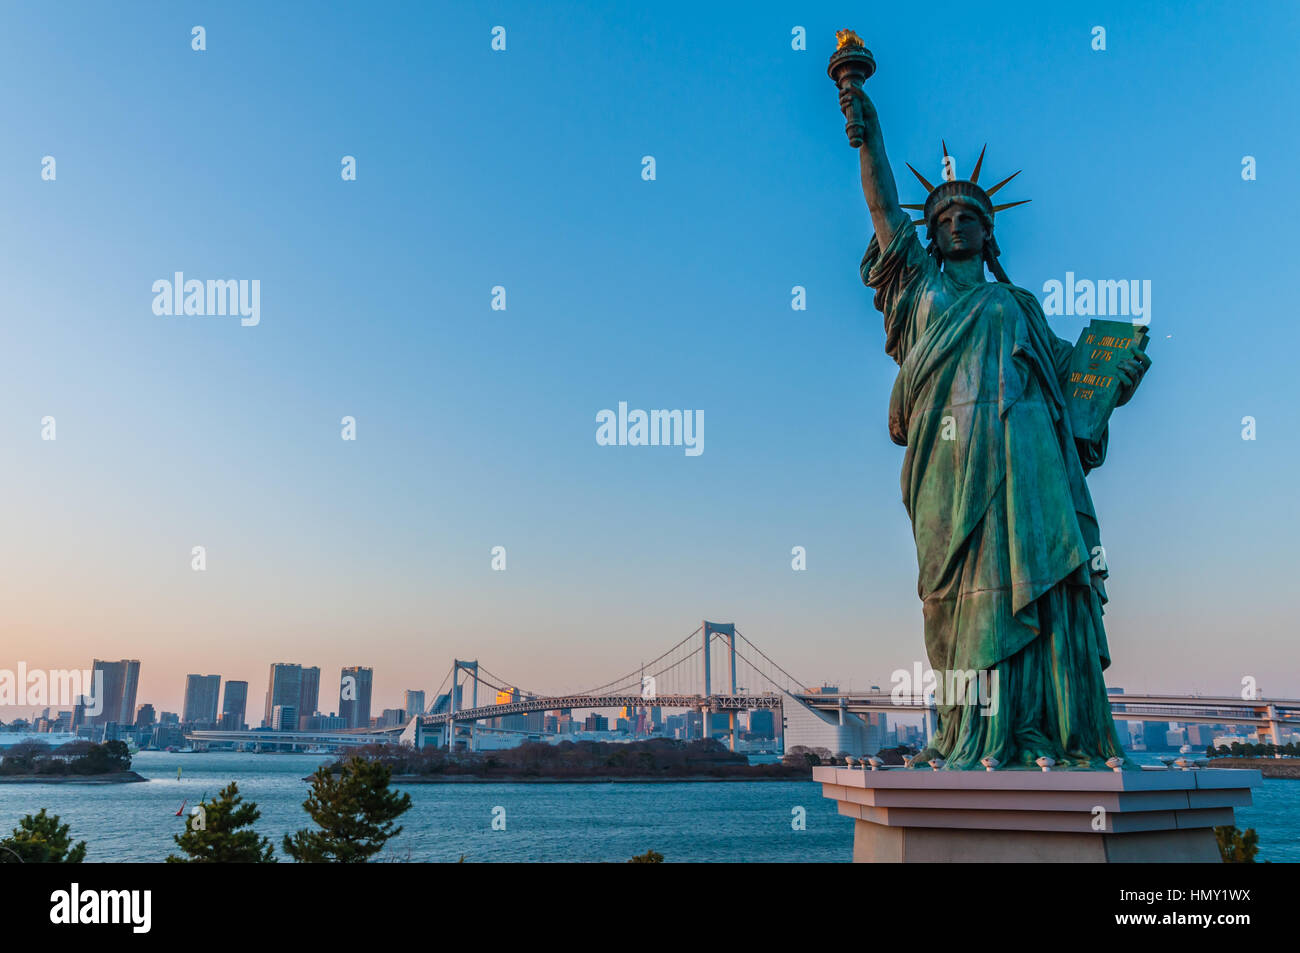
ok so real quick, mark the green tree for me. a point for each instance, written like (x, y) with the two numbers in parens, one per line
(649, 857)
(118, 754)
(354, 810)
(41, 839)
(801, 756)
(1237, 847)
(214, 835)
(23, 757)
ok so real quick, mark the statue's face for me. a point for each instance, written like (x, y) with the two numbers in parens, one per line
(961, 232)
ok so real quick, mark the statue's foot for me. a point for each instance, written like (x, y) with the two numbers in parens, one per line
(926, 756)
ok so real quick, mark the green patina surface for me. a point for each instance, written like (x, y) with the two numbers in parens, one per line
(1005, 530)
(1011, 569)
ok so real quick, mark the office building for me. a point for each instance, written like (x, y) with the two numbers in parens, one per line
(762, 723)
(202, 692)
(283, 688)
(284, 718)
(309, 698)
(234, 708)
(145, 716)
(1155, 736)
(354, 695)
(120, 681)
(292, 685)
(414, 703)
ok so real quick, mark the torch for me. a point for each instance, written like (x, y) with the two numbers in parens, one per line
(851, 65)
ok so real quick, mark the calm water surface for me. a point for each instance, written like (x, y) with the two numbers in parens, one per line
(698, 821)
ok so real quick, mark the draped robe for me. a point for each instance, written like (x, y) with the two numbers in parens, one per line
(1006, 535)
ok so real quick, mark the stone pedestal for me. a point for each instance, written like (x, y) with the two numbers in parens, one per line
(922, 816)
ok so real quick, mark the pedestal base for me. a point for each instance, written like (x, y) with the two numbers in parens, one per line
(923, 816)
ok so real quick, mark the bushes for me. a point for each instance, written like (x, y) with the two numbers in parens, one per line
(75, 757)
(654, 757)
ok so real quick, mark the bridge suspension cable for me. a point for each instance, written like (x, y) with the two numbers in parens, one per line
(434, 700)
(636, 673)
(793, 683)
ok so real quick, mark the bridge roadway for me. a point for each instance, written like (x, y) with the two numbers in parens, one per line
(769, 700)
(1200, 709)
(1268, 714)
(346, 738)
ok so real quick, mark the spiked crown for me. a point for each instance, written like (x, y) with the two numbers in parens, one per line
(952, 189)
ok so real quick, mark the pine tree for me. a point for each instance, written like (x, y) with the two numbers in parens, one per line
(354, 810)
(213, 835)
(1236, 846)
(41, 839)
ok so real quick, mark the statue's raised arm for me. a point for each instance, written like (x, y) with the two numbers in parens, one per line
(877, 178)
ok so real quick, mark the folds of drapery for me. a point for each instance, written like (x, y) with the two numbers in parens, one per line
(979, 406)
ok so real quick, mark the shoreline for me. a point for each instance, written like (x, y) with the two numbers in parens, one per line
(1288, 768)
(113, 777)
(475, 779)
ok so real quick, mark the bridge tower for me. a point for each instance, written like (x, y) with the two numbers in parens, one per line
(470, 668)
(728, 631)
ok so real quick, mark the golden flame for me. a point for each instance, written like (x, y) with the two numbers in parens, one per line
(845, 38)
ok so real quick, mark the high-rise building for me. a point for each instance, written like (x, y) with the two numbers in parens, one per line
(762, 723)
(130, 683)
(392, 717)
(202, 692)
(309, 699)
(1200, 735)
(120, 681)
(325, 723)
(144, 716)
(234, 709)
(284, 688)
(414, 703)
(1155, 735)
(354, 695)
(284, 718)
(596, 722)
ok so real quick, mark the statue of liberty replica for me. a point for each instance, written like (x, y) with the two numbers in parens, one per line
(1011, 570)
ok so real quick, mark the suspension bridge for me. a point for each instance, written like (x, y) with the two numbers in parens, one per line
(719, 673)
(685, 677)
(682, 677)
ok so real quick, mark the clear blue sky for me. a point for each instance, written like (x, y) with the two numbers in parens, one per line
(476, 427)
